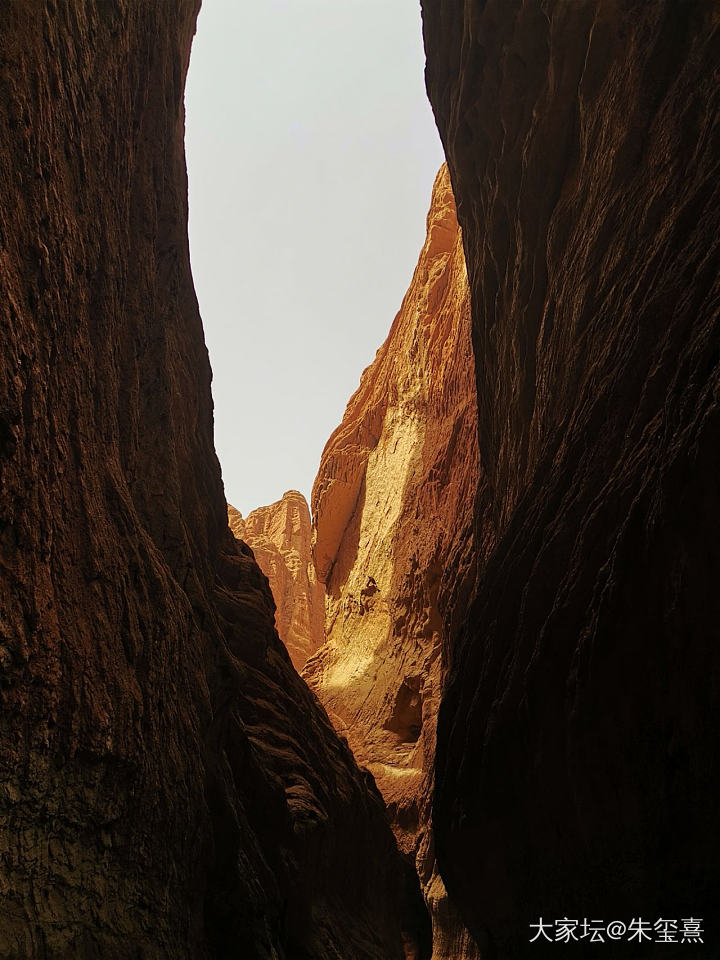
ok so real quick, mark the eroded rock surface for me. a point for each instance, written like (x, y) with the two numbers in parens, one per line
(280, 536)
(577, 765)
(169, 788)
(392, 504)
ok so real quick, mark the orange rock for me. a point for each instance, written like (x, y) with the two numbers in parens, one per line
(280, 537)
(392, 504)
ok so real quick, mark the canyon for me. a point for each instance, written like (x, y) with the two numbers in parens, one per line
(392, 514)
(479, 686)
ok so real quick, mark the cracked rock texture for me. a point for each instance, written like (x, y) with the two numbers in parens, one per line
(577, 753)
(392, 504)
(280, 536)
(169, 787)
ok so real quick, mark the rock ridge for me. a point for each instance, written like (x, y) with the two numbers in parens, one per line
(280, 537)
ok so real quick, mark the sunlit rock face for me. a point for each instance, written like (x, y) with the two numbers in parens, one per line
(392, 504)
(577, 761)
(169, 787)
(280, 536)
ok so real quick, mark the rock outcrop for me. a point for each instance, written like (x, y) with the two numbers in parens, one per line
(280, 537)
(392, 504)
(577, 757)
(169, 788)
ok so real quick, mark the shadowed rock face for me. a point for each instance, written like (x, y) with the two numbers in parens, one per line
(577, 759)
(280, 537)
(169, 788)
(392, 504)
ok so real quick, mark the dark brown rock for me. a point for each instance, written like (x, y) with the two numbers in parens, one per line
(577, 760)
(169, 788)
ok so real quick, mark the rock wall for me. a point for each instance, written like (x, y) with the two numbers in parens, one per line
(169, 788)
(392, 504)
(280, 536)
(577, 764)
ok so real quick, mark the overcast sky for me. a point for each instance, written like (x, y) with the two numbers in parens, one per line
(311, 154)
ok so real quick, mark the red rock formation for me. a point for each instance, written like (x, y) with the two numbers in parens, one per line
(392, 504)
(169, 788)
(577, 767)
(280, 537)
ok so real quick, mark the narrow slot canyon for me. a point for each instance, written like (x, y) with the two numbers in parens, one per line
(460, 705)
(363, 590)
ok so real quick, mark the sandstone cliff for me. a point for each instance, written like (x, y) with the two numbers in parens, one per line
(280, 537)
(169, 788)
(577, 761)
(393, 505)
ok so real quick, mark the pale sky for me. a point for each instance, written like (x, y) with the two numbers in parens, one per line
(311, 154)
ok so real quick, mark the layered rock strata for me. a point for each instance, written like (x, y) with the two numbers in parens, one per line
(169, 788)
(577, 757)
(280, 536)
(392, 504)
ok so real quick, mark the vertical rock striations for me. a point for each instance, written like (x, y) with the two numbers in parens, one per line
(169, 788)
(577, 758)
(280, 537)
(393, 505)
